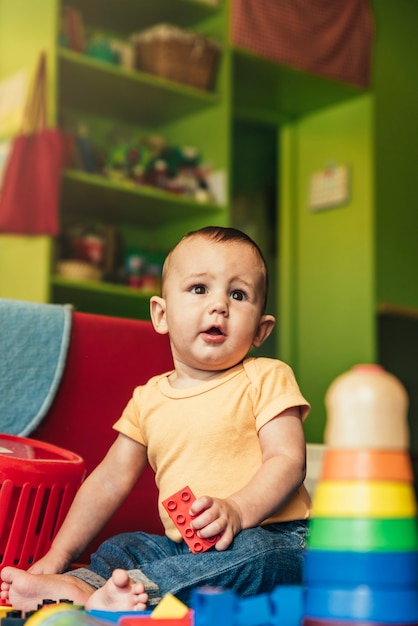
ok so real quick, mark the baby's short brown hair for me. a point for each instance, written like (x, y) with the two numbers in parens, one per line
(222, 234)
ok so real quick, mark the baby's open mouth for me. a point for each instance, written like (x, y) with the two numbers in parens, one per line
(213, 331)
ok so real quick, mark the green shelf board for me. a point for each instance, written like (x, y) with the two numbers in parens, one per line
(134, 15)
(96, 87)
(275, 93)
(95, 196)
(100, 287)
(100, 297)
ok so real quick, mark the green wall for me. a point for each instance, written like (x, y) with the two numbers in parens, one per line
(24, 261)
(396, 156)
(339, 266)
(327, 257)
(396, 131)
(36, 23)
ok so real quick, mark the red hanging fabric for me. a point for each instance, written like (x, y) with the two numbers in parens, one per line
(327, 37)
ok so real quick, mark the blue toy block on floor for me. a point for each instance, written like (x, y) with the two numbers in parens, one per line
(256, 611)
(289, 604)
(213, 605)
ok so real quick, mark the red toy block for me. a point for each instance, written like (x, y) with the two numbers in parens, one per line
(178, 506)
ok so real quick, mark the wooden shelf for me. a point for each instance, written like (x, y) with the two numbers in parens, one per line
(98, 197)
(96, 87)
(273, 93)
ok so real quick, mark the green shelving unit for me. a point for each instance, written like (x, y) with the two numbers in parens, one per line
(248, 91)
(89, 88)
(108, 90)
(129, 203)
(185, 13)
(271, 93)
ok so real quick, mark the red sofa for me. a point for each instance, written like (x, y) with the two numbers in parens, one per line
(107, 358)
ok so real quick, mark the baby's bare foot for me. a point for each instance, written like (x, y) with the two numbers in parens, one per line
(119, 593)
(25, 591)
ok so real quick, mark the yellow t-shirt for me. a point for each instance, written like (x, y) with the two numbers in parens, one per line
(206, 436)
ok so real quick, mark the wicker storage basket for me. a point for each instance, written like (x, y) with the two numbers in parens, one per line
(179, 55)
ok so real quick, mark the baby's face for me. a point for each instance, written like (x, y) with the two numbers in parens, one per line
(214, 293)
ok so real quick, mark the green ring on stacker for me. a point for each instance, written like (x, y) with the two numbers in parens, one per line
(363, 534)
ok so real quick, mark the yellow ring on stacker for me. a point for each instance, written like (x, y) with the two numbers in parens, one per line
(352, 498)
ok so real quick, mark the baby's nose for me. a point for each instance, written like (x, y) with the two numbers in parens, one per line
(219, 304)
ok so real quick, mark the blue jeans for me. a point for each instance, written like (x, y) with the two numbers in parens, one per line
(258, 560)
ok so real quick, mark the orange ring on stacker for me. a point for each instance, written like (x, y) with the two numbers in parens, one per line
(351, 498)
(366, 464)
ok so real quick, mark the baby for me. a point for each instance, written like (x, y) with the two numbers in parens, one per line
(226, 424)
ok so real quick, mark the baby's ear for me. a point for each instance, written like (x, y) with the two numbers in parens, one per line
(264, 329)
(158, 318)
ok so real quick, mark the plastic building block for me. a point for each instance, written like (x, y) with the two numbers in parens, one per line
(13, 617)
(169, 608)
(178, 506)
(289, 604)
(213, 605)
(147, 620)
(115, 616)
(5, 609)
(256, 611)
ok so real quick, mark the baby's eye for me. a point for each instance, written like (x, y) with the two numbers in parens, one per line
(237, 294)
(198, 289)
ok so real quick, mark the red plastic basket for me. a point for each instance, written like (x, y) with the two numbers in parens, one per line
(38, 482)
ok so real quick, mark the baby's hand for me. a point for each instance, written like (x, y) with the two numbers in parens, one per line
(216, 516)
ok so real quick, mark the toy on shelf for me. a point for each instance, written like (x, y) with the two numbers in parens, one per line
(85, 252)
(96, 251)
(125, 158)
(74, 36)
(126, 161)
(142, 269)
(178, 508)
(100, 47)
(71, 34)
(134, 266)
